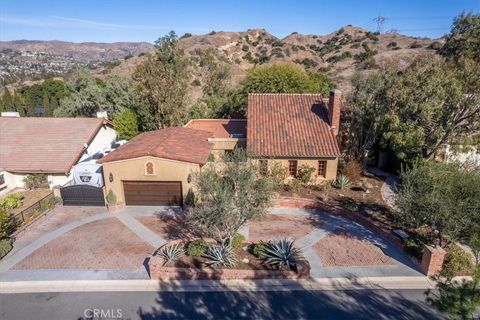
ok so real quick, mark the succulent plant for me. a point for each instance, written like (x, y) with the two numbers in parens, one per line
(282, 254)
(342, 182)
(223, 256)
(172, 253)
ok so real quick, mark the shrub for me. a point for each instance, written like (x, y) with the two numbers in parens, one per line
(186, 35)
(415, 45)
(5, 246)
(190, 199)
(435, 46)
(457, 262)
(304, 174)
(34, 181)
(237, 240)
(211, 157)
(126, 124)
(12, 201)
(293, 186)
(259, 249)
(282, 254)
(413, 247)
(197, 248)
(111, 197)
(278, 173)
(342, 182)
(5, 222)
(196, 83)
(245, 48)
(172, 253)
(392, 44)
(353, 170)
(222, 256)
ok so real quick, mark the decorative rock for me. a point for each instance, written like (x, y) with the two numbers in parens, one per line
(245, 260)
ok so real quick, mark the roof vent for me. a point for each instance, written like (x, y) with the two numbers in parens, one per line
(11, 114)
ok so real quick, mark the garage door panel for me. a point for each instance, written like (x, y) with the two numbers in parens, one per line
(152, 193)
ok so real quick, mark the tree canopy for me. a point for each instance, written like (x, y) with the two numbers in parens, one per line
(161, 81)
(444, 197)
(228, 196)
(463, 41)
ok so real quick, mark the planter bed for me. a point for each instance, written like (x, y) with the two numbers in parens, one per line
(193, 268)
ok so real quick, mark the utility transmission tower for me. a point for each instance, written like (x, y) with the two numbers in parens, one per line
(380, 20)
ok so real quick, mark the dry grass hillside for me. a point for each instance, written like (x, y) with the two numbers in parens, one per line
(339, 54)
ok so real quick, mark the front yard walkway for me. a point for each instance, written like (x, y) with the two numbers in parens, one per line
(90, 243)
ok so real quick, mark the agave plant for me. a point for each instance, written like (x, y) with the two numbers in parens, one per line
(282, 254)
(223, 256)
(173, 253)
(342, 182)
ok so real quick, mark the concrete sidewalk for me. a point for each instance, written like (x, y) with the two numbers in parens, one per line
(213, 285)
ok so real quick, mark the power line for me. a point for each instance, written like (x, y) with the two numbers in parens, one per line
(380, 20)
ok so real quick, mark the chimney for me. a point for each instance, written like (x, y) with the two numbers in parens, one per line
(334, 106)
(102, 114)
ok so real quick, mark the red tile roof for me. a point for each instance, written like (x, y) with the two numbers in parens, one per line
(49, 145)
(220, 128)
(289, 125)
(182, 144)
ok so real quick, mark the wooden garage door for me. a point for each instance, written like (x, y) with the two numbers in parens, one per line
(153, 193)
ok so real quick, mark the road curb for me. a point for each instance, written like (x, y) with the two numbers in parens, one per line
(213, 285)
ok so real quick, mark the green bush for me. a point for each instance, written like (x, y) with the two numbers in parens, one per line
(278, 174)
(126, 124)
(12, 201)
(5, 222)
(304, 174)
(413, 247)
(457, 262)
(415, 45)
(237, 240)
(342, 182)
(293, 186)
(197, 248)
(34, 181)
(5, 246)
(190, 199)
(211, 157)
(259, 249)
(111, 197)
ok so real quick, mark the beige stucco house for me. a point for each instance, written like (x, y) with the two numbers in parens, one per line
(156, 168)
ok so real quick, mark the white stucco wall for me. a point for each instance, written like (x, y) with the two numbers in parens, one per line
(105, 136)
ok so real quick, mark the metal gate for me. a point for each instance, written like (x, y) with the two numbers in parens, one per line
(82, 195)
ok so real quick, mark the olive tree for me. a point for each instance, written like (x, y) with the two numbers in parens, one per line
(229, 194)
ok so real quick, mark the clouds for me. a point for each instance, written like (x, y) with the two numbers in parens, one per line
(75, 23)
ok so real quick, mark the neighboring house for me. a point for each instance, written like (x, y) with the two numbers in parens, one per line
(156, 168)
(51, 146)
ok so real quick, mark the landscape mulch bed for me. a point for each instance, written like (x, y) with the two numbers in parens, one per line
(201, 262)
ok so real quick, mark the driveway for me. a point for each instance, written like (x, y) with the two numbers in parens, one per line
(335, 247)
(90, 243)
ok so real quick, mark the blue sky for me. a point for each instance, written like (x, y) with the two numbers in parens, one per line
(146, 20)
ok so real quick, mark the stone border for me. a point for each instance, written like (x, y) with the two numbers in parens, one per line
(157, 271)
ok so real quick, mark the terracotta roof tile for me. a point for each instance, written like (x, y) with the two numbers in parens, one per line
(220, 128)
(49, 145)
(182, 144)
(289, 125)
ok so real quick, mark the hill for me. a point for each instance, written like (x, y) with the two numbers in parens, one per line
(339, 54)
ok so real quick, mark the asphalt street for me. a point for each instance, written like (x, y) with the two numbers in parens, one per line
(303, 304)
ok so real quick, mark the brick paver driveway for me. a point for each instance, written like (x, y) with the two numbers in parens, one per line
(335, 247)
(86, 243)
